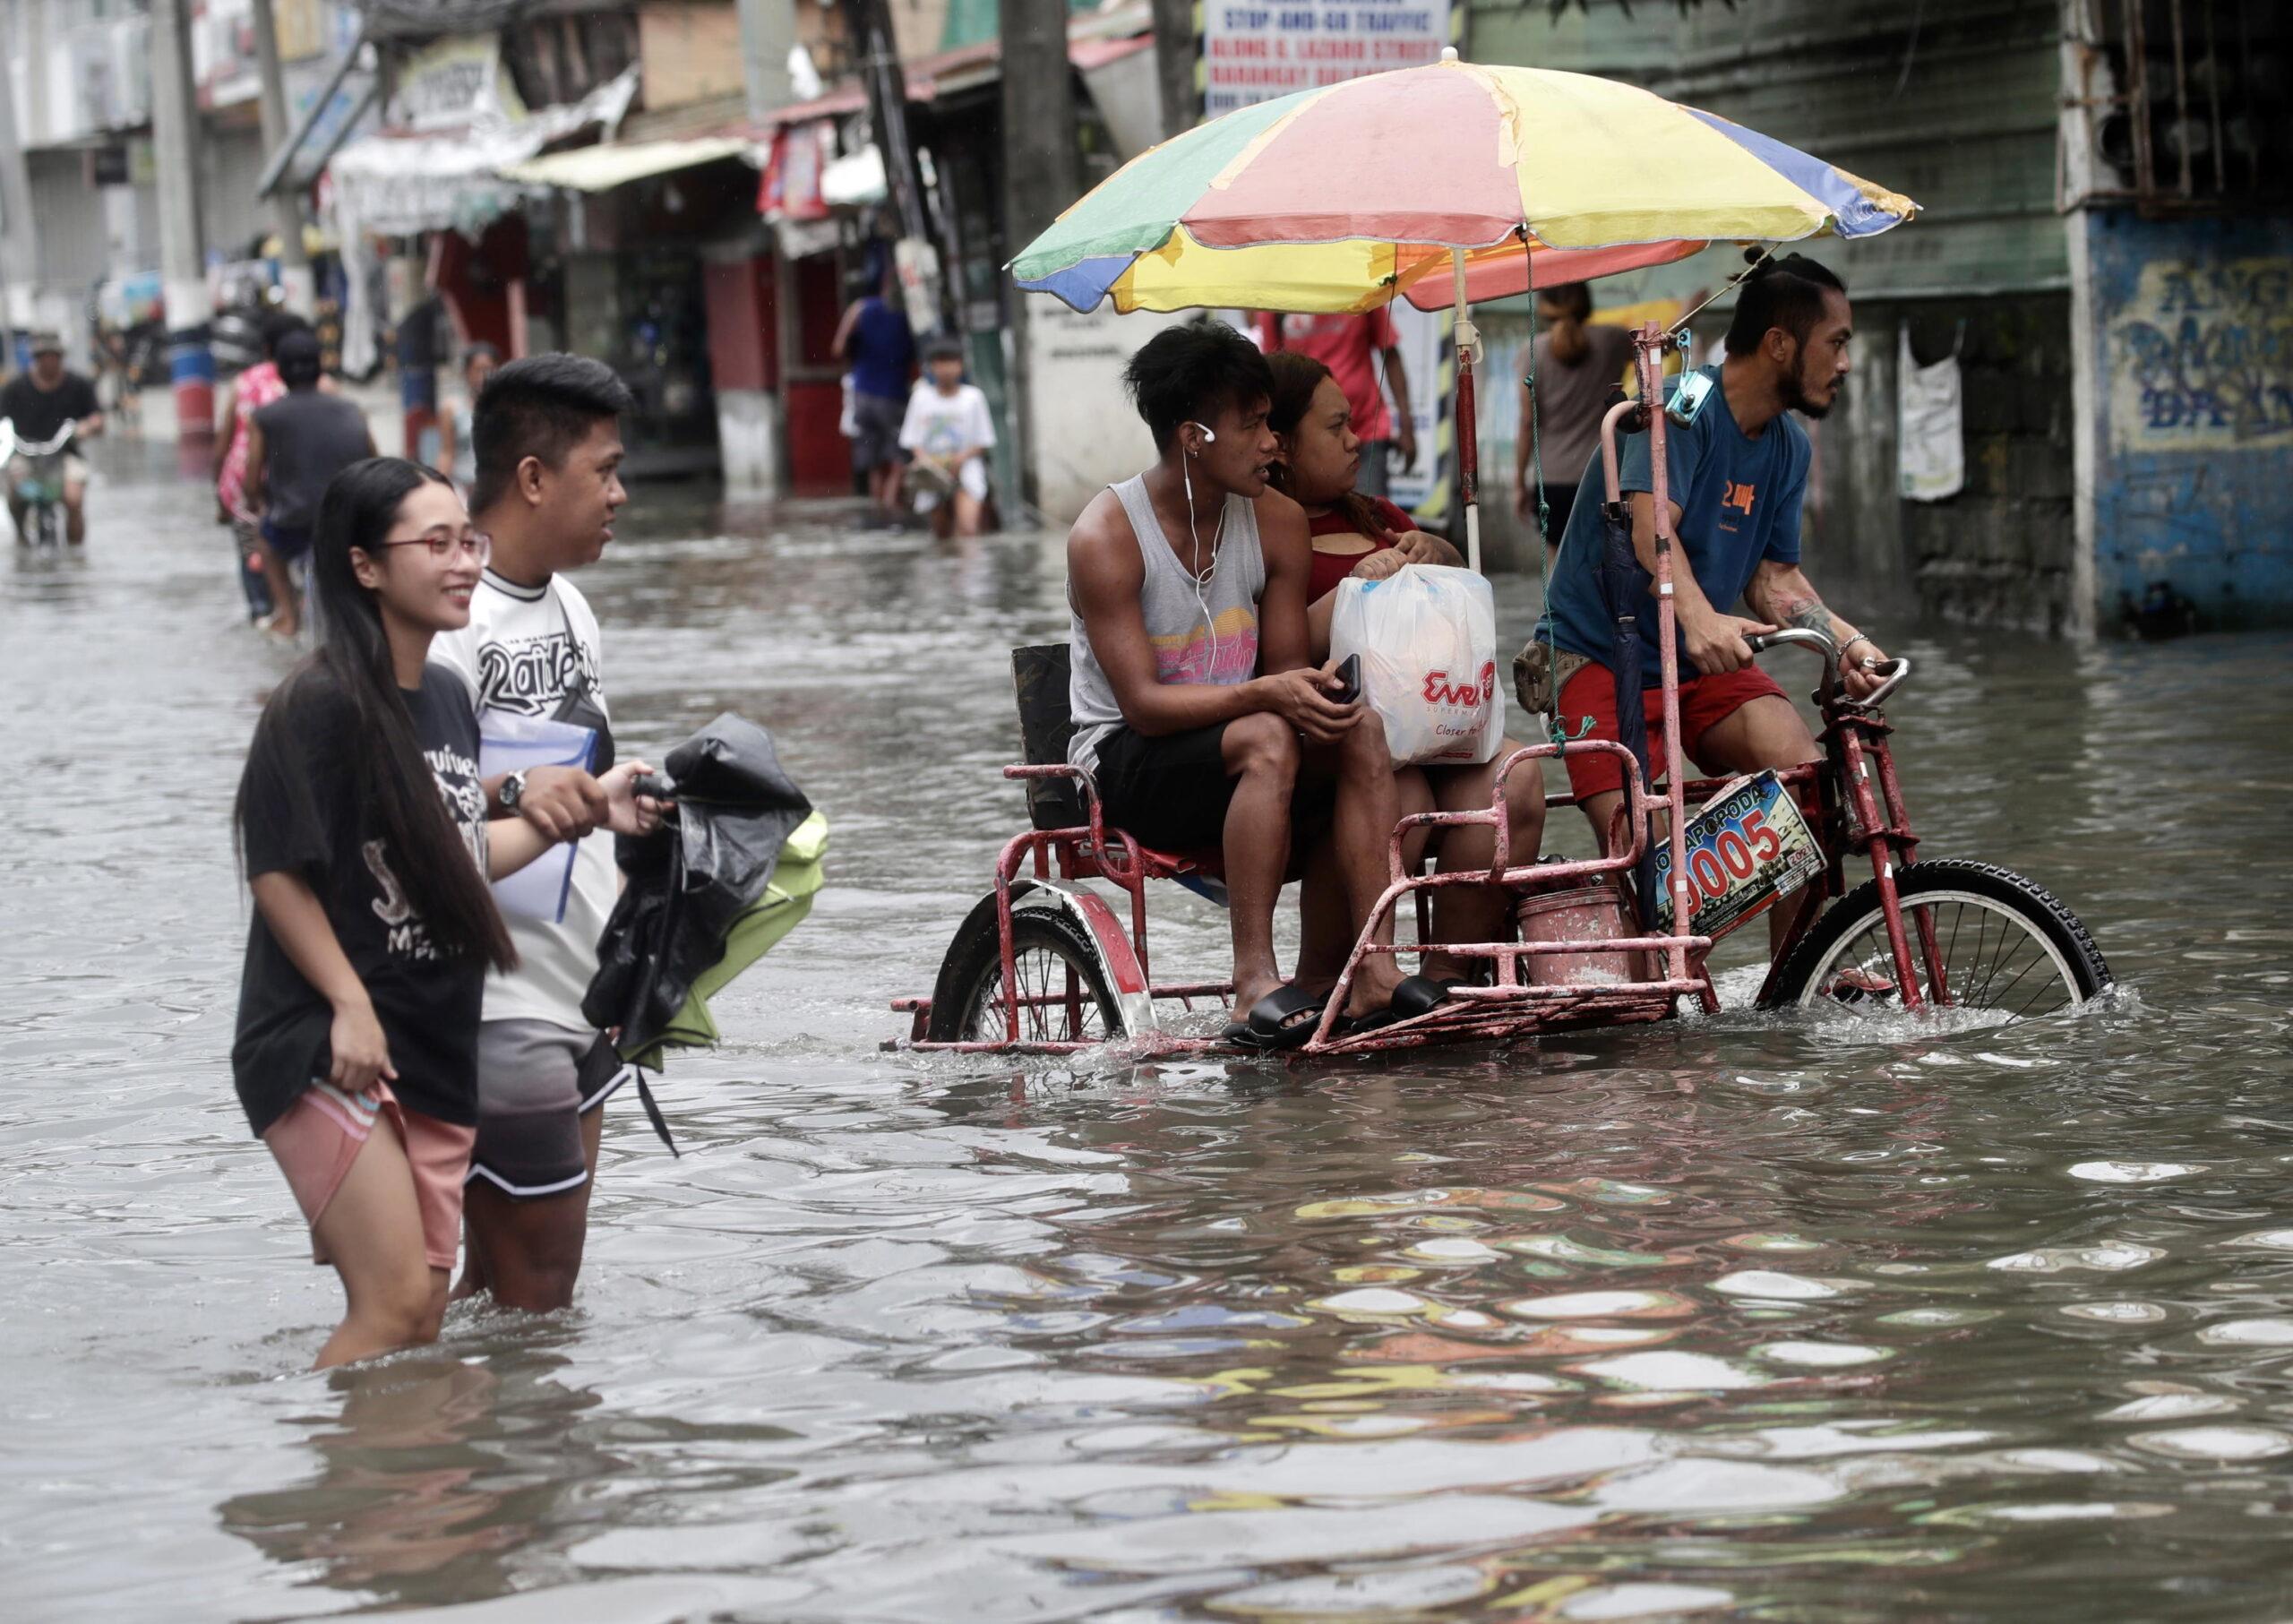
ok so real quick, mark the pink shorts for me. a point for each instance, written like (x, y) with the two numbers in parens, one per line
(322, 1134)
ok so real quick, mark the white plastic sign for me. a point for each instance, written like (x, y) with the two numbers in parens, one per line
(1426, 635)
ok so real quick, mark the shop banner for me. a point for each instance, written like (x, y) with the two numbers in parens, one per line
(1254, 53)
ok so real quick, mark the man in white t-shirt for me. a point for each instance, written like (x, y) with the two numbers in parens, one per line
(548, 442)
(949, 432)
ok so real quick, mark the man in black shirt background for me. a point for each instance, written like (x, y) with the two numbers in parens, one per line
(39, 402)
(295, 446)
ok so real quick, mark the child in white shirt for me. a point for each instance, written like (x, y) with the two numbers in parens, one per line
(949, 432)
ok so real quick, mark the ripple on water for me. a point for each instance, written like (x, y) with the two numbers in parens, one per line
(2216, 1443)
(2250, 1333)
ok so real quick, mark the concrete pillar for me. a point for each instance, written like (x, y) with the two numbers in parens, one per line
(740, 288)
(2087, 383)
(175, 134)
(1042, 166)
(286, 210)
(19, 268)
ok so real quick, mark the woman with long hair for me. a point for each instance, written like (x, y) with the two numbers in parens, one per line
(362, 826)
(1368, 538)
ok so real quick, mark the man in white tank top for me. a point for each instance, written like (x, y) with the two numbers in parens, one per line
(1197, 707)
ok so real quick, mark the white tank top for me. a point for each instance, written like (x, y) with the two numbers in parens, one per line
(1219, 648)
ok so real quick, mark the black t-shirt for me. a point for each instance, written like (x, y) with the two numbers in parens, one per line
(307, 439)
(37, 413)
(304, 817)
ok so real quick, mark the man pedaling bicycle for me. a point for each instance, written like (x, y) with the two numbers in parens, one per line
(1738, 473)
(39, 402)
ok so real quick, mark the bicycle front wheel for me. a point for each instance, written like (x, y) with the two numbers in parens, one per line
(1062, 984)
(2002, 943)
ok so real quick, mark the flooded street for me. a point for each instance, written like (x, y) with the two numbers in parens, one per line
(1750, 1316)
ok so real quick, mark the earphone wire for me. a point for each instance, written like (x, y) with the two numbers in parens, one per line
(1194, 536)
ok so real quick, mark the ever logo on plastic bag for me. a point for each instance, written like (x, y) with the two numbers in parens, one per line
(1426, 635)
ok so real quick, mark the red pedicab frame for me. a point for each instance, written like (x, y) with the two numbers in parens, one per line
(1851, 799)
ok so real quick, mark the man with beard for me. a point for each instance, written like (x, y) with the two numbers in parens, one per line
(1738, 473)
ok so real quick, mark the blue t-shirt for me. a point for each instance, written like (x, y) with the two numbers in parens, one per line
(1739, 504)
(883, 351)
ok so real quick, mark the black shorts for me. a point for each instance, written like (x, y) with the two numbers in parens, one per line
(289, 541)
(878, 420)
(1170, 791)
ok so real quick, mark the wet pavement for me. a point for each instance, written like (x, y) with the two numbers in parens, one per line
(1749, 1317)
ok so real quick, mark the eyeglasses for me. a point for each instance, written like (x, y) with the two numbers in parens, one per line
(443, 544)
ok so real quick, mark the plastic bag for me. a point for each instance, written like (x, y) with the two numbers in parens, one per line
(1427, 636)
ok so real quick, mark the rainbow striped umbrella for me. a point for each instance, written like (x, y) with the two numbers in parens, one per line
(1345, 197)
(1439, 185)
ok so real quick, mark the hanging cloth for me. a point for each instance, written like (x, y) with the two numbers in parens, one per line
(1929, 422)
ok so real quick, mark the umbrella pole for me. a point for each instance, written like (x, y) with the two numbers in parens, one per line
(1649, 343)
(1468, 343)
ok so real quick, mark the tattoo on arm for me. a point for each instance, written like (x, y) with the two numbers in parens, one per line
(1809, 614)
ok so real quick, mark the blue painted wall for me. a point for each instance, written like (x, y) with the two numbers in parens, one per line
(2193, 465)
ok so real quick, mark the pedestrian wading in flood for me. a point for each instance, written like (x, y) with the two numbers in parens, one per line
(547, 466)
(363, 832)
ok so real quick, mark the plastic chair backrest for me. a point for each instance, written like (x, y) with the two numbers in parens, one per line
(1039, 671)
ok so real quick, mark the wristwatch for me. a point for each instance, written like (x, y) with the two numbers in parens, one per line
(512, 790)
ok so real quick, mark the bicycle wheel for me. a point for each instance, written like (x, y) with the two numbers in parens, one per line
(2005, 944)
(1062, 986)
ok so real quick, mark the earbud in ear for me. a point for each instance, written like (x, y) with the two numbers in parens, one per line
(1207, 437)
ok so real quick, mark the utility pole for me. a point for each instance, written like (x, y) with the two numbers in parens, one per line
(19, 267)
(887, 83)
(1177, 49)
(182, 272)
(294, 263)
(1042, 166)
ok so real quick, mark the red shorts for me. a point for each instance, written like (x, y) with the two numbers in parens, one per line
(1590, 696)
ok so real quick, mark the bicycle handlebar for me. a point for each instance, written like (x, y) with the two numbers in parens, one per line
(17, 446)
(1898, 669)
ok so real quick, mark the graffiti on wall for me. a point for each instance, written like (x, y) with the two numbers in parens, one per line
(2201, 357)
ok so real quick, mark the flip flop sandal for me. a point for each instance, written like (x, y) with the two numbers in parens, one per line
(1284, 1018)
(1369, 1020)
(1420, 994)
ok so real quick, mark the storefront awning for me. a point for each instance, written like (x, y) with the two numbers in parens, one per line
(601, 169)
(399, 182)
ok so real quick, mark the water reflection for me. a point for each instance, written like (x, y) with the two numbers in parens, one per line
(422, 1484)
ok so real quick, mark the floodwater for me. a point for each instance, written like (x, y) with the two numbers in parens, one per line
(1746, 1316)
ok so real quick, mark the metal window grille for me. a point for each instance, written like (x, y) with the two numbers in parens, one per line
(2176, 106)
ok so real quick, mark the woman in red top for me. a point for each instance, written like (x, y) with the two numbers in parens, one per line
(1368, 538)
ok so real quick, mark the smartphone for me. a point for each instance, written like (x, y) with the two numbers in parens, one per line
(1688, 399)
(1349, 678)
